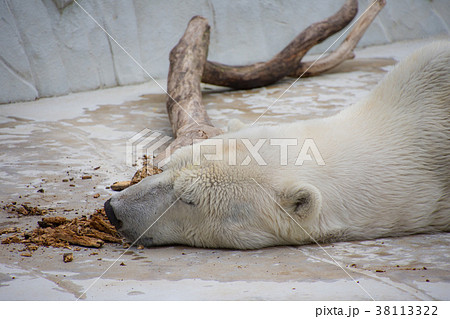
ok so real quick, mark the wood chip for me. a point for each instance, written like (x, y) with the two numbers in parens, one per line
(119, 186)
(102, 225)
(9, 230)
(24, 209)
(52, 221)
(68, 257)
(11, 240)
(72, 238)
(147, 170)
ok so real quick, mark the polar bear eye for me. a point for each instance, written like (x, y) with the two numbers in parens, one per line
(187, 201)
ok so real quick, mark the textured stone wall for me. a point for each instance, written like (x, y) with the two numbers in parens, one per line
(52, 47)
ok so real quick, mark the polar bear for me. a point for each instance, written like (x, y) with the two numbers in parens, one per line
(379, 168)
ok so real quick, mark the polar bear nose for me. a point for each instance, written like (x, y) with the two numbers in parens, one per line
(111, 216)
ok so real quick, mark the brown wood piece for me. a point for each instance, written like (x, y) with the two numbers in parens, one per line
(265, 73)
(119, 186)
(9, 230)
(52, 221)
(74, 239)
(102, 226)
(187, 114)
(345, 50)
(99, 235)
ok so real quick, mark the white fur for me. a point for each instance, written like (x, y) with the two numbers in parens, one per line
(386, 173)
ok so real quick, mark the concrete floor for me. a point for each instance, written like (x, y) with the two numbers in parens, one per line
(48, 140)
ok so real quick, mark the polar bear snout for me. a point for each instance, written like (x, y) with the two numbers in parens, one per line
(143, 212)
(109, 210)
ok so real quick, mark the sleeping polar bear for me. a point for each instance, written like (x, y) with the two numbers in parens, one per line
(379, 168)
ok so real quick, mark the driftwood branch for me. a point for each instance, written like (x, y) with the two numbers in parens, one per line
(187, 114)
(265, 73)
(345, 50)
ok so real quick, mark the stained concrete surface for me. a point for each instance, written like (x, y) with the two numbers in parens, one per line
(48, 140)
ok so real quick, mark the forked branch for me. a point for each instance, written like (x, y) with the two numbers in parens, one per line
(345, 50)
(265, 73)
(188, 67)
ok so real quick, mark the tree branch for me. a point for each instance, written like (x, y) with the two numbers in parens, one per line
(187, 113)
(345, 50)
(265, 73)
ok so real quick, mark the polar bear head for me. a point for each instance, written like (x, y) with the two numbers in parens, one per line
(217, 202)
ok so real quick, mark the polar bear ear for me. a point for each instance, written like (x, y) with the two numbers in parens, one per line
(303, 200)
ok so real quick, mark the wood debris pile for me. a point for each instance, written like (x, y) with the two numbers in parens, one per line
(58, 231)
(147, 170)
(24, 209)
